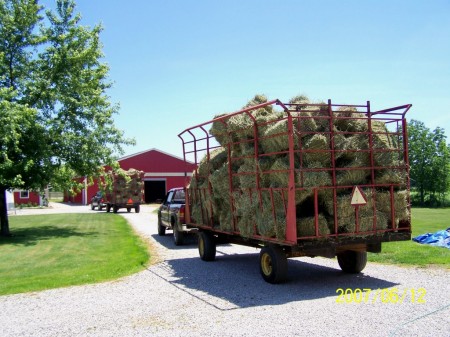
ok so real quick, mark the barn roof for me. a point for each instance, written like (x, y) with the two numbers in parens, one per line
(150, 150)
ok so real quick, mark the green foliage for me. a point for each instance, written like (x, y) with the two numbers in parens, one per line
(56, 118)
(51, 251)
(429, 158)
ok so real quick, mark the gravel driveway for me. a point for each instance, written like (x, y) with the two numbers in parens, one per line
(184, 296)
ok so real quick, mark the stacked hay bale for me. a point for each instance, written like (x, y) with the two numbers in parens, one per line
(124, 185)
(256, 201)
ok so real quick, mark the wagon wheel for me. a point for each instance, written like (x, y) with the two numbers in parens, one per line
(351, 261)
(206, 246)
(273, 264)
(115, 209)
(128, 209)
(137, 208)
(108, 208)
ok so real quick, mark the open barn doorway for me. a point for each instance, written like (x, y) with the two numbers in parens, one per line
(154, 191)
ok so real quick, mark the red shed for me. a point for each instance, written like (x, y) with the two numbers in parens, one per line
(27, 197)
(162, 171)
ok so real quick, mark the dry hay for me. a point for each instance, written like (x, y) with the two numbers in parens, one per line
(353, 175)
(275, 137)
(346, 213)
(247, 173)
(220, 131)
(348, 119)
(317, 149)
(277, 175)
(306, 226)
(352, 153)
(366, 222)
(385, 148)
(400, 203)
(271, 220)
(246, 205)
(217, 157)
(314, 175)
(391, 176)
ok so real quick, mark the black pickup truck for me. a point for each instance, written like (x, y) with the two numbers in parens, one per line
(171, 215)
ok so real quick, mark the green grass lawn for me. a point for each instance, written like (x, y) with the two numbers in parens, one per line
(424, 220)
(51, 251)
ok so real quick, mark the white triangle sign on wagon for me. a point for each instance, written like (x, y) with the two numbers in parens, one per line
(358, 197)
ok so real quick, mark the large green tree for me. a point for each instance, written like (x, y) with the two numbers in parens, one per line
(429, 157)
(55, 115)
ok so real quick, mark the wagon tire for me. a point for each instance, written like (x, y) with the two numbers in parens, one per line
(115, 209)
(137, 209)
(273, 264)
(128, 209)
(206, 246)
(108, 208)
(351, 261)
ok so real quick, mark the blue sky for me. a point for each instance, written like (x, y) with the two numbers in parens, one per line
(177, 63)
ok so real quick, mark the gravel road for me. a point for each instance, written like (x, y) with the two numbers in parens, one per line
(184, 296)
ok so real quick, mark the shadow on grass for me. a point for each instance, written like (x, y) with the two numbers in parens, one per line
(31, 236)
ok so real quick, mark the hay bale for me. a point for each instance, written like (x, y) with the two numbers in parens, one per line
(275, 137)
(348, 119)
(271, 220)
(220, 130)
(246, 205)
(391, 176)
(278, 174)
(309, 177)
(383, 200)
(306, 226)
(217, 157)
(317, 150)
(247, 173)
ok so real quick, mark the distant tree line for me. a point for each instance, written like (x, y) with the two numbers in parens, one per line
(429, 159)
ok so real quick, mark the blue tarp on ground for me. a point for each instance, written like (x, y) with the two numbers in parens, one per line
(440, 238)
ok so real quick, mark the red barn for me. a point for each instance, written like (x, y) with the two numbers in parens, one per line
(27, 197)
(162, 171)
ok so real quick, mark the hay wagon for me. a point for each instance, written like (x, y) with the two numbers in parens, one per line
(300, 179)
(125, 190)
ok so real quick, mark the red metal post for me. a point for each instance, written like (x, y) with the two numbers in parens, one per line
(291, 221)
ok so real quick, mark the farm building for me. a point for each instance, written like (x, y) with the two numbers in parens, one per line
(27, 198)
(162, 171)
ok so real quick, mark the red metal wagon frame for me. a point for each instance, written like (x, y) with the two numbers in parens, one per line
(198, 144)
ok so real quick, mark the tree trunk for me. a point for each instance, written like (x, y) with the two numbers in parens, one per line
(4, 213)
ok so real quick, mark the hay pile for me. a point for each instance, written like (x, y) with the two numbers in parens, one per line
(125, 185)
(258, 171)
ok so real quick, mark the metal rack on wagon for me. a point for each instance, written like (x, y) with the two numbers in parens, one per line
(300, 179)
